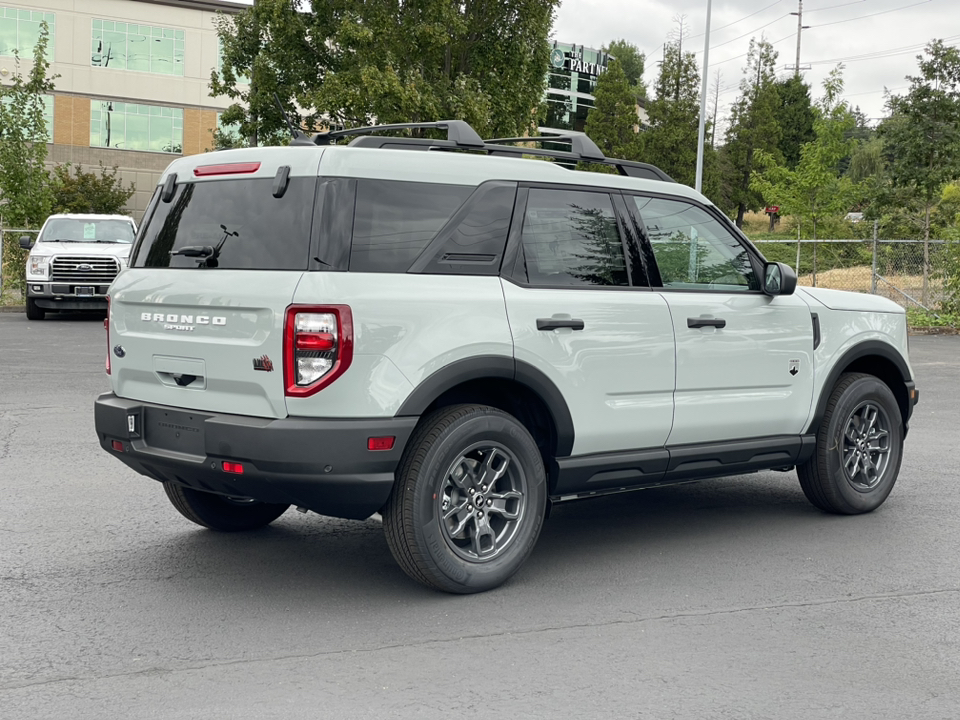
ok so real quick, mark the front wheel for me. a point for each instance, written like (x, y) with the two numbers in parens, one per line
(859, 448)
(469, 500)
(34, 311)
(219, 512)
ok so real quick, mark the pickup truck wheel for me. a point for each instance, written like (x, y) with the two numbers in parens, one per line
(859, 448)
(219, 512)
(469, 500)
(34, 311)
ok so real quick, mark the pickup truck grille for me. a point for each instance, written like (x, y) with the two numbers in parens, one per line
(84, 269)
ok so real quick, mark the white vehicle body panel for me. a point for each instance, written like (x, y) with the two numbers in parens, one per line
(735, 382)
(616, 375)
(406, 327)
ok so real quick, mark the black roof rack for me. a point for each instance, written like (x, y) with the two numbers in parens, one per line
(460, 136)
(458, 132)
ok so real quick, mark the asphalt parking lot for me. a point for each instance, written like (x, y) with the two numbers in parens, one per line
(731, 598)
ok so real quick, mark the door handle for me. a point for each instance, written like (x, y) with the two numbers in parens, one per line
(706, 322)
(555, 323)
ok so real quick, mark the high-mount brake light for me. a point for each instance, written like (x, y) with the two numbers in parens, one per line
(106, 326)
(317, 347)
(227, 169)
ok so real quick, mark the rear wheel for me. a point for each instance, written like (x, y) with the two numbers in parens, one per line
(34, 311)
(219, 512)
(859, 448)
(469, 500)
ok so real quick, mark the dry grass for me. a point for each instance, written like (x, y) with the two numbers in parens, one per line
(858, 279)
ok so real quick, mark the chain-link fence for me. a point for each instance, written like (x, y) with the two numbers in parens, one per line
(909, 272)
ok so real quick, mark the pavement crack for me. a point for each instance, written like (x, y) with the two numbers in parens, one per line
(636, 620)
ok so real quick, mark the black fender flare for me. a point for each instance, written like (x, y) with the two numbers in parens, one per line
(864, 349)
(500, 367)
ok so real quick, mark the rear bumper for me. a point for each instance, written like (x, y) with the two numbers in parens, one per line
(320, 464)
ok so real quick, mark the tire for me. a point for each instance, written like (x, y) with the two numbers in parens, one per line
(219, 512)
(34, 311)
(862, 416)
(431, 518)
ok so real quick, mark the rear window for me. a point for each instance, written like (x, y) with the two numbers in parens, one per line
(239, 221)
(88, 231)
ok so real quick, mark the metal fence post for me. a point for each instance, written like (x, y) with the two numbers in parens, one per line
(873, 274)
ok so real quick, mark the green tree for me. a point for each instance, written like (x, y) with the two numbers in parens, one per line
(349, 63)
(612, 124)
(814, 190)
(632, 61)
(795, 118)
(86, 192)
(25, 195)
(753, 125)
(270, 48)
(670, 142)
(923, 132)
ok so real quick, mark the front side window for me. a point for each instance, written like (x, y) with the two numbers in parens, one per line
(571, 238)
(20, 30)
(230, 225)
(142, 48)
(692, 249)
(130, 126)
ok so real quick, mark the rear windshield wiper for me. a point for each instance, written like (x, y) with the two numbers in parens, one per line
(201, 251)
(207, 252)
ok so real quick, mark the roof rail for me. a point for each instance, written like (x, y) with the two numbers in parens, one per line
(460, 136)
(458, 132)
(579, 144)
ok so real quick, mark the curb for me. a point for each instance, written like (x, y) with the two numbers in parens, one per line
(12, 308)
(934, 331)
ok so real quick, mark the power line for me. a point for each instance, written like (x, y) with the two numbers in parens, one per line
(863, 17)
(880, 54)
(740, 37)
(745, 17)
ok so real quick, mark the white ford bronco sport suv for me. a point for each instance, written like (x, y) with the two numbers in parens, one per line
(74, 260)
(459, 338)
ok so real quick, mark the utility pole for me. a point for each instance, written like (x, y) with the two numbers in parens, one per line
(800, 28)
(703, 102)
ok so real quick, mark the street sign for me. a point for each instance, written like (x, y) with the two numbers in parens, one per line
(773, 210)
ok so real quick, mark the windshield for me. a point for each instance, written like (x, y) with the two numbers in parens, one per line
(88, 231)
(230, 224)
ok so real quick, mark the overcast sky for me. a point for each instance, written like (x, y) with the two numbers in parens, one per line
(839, 29)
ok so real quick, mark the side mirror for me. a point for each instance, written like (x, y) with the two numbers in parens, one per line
(25, 242)
(779, 279)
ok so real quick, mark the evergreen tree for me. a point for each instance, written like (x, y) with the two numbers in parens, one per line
(753, 125)
(923, 134)
(795, 118)
(632, 61)
(612, 123)
(671, 140)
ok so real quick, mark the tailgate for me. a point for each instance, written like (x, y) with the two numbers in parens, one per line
(215, 345)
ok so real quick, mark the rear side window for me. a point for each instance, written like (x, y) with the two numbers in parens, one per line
(570, 237)
(394, 221)
(240, 220)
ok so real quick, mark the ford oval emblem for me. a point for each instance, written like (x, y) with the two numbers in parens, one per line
(85, 267)
(119, 351)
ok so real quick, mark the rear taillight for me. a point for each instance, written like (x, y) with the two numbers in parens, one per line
(317, 347)
(106, 326)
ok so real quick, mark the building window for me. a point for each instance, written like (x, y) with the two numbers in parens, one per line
(47, 114)
(241, 79)
(129, 126)
(142, 48)
(20, 30)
